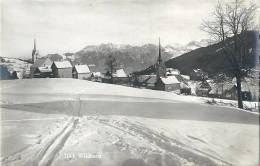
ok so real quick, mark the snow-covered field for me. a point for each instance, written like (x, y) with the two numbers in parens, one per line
(75, 122)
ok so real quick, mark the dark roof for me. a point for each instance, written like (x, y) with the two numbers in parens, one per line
(150, 79)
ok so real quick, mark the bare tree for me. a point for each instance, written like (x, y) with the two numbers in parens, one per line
(229, 25)
(111, 64)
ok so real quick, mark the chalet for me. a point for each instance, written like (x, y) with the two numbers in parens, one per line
(230, 92)
(120, 77)
(203, 89)
(185, 88)
(43, 72)
(169, 83)
(198, 75)
(147, 81)
(62, 69)
(40, 63)
(81, 72)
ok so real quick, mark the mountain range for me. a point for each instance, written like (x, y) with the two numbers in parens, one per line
(131, 58)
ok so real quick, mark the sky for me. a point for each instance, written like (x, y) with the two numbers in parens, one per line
(61, 26)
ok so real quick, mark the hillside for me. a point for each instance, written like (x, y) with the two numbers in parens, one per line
(52, 119)
(211, 59)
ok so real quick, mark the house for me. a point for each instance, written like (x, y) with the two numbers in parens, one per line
(230, 92)
(120, 77)
(203, 89)
(225, 90)
(146, 81)
(43, 72)
(185, 88)
(39, 63)
(62, 69)
(198, 75)
(120, 73)
(168, 84)
(81, 72)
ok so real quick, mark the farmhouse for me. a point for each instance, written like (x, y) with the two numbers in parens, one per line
(203, 89)
(120, 77)
(81, 72)
(169, 83)
(146, 81)
(62, 69)
(43, 72)
(38, 69)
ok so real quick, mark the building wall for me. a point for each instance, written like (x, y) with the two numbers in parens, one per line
(121, 80)
(65, 73)
(172, 87)
(84, 76)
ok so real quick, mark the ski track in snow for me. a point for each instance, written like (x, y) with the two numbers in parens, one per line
(41, 155)
(175, 151)
(50, 152)
(179, 152)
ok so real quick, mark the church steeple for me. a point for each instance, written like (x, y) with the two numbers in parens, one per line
(34, 44)
(160, 68)
(159, 60)
(34, 51)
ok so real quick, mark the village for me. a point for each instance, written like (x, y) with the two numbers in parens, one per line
(129, 83)
(197, 83)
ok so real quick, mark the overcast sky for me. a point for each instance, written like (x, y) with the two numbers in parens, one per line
(68, 25)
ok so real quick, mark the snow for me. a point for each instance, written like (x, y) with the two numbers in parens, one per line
(185, 77)
(62, 64)
(82, 69)
(120, 73)
(97, 74)
(142, 138)
(45, 69)
(170, 80)
(77, 122)
(14, 64)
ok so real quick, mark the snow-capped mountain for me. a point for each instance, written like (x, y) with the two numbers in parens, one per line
(177, 49)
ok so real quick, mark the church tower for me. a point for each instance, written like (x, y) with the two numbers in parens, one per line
(160, 67)
(34, 52)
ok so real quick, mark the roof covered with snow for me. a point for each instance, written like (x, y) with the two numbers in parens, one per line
(82, 69)
(45, 69)
(62, 64)
(186, 77)
(97, 74)
(120, 73)
(172, 71)
(170, 80)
